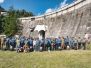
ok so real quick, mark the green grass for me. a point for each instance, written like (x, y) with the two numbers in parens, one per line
(54, 59)
(89, 46)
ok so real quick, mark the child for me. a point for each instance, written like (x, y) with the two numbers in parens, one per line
(26, 48)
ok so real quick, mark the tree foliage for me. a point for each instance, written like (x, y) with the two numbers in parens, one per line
(11, 22)
(1, 19)
(1, 23)
(23, 13)
(10, 27)
(1, 8)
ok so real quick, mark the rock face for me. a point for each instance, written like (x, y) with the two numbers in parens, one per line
(74, 23)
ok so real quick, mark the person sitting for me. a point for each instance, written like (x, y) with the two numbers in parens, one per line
(19, 49)
(26, 48)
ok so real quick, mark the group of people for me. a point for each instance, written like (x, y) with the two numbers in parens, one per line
(23, 44)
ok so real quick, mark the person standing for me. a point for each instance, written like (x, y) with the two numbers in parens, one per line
(18, 48)
(79, 43)
(7, 43)
(34, 44)
(38, 44)
(58, 43)
(83, 41)
(75, 43)
(63, 43)
(2, 43)
(30, 43)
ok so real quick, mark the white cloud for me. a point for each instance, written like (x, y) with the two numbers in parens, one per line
(64, 3)
(1, 1)
(49, 10)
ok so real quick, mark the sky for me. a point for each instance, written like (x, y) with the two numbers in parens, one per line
(38, 7)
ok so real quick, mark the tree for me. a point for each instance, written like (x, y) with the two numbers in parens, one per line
(1, 23)
(23, 13)
(10, 25)
(1, 9)
(1, 19)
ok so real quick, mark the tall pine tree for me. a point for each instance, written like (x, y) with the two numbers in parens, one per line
(10, 25)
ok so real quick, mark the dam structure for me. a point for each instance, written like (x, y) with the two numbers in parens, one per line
(71, 20)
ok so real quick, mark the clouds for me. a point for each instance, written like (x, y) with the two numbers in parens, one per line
(49, 10)
(62, 4)
(1, 1)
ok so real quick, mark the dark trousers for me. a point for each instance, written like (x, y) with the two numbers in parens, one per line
(79, 45)
(7, 46)
(75, 46)
(48, 47)
(84, 46)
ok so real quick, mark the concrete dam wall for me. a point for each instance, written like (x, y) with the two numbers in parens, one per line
(71, 20)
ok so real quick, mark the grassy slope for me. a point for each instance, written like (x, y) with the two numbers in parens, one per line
(57, 59)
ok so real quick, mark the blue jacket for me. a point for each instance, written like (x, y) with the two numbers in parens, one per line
(58, 41)
(30, 42)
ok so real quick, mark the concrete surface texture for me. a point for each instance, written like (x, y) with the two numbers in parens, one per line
(72, 20)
